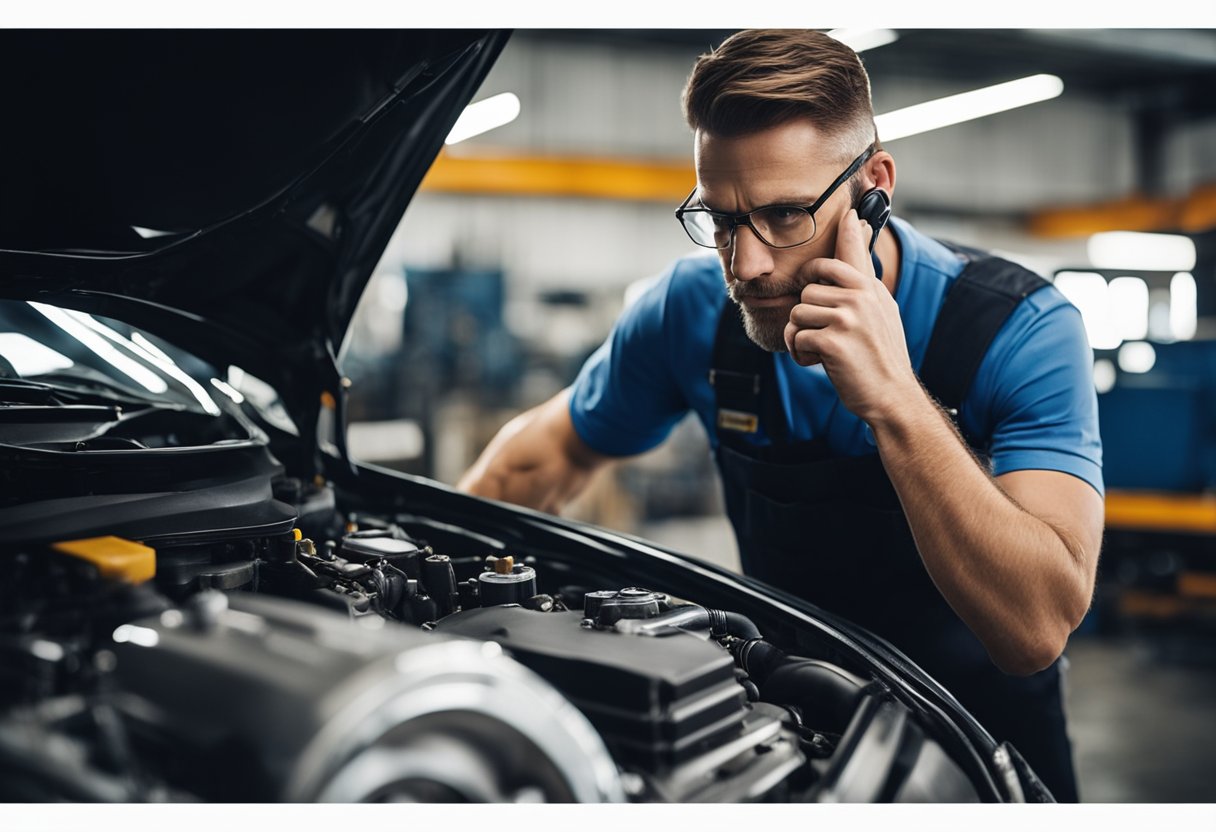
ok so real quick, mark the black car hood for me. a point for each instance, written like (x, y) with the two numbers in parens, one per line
(229, 190)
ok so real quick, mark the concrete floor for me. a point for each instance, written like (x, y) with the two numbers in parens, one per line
(1143, 722)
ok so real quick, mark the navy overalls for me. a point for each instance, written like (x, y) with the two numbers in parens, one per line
(830, 528)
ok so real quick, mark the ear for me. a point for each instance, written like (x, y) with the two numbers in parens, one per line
(879, 172)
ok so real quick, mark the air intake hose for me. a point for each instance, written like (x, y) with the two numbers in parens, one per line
(826, 694)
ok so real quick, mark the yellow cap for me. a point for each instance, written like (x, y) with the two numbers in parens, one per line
(115, 557)
(296, 534)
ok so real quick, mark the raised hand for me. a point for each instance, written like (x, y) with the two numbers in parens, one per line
(849, 322)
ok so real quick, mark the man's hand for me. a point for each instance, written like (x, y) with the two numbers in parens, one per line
(849, 321)
(1015, 557)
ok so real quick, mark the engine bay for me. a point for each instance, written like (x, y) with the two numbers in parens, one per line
(350, 658)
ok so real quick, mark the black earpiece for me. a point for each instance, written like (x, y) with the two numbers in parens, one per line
(875, 208)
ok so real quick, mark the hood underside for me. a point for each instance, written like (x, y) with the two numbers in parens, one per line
(231, 190)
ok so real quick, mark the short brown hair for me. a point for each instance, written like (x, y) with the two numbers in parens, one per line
(759, 79)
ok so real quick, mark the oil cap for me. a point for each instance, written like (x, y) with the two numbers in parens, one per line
(506, 582)
(606, 607)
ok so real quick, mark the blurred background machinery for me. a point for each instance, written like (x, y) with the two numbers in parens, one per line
(527, 241)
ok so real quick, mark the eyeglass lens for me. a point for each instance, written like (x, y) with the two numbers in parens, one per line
(777, 225)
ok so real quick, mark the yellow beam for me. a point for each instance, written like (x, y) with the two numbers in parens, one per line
(1140, 604)
(507, 174)
(1199, 209)
(1193, 213)
(1155, 511)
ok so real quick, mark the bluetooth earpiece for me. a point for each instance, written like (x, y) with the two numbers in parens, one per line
(875, 208)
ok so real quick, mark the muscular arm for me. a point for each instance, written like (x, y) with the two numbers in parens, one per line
(1014, 556)
(536, 460)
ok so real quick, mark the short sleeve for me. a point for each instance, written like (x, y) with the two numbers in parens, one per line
(626, 399)
(1035, 390)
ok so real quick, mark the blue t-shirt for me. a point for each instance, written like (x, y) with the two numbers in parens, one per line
(1033, 394)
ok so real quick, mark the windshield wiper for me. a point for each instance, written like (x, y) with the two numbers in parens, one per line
(58, 393)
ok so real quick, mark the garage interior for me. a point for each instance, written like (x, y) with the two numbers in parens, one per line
(527, 240)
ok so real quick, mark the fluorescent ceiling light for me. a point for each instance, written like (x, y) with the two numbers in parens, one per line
(953, 109)
(1090, 293)
(1184, 306)
(476, 119)
(1136, 250)
(1128, 301)
(1137, 357)
(859, 40)
(1104, 375)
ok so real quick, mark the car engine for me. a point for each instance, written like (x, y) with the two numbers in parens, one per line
(259, 664)
(182, 619)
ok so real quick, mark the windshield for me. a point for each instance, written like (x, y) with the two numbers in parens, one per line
(78, 352)
(55, 356)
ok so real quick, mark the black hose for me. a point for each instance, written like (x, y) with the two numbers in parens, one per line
(758, 658)
(722, 623)
(826, 694)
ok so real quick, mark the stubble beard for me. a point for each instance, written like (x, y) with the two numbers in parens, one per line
(764, 326)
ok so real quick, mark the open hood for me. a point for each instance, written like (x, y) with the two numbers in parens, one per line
(229, 190)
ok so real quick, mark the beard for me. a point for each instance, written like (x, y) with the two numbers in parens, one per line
(765, 326)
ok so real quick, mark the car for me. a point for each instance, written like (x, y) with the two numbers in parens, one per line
(204, 597)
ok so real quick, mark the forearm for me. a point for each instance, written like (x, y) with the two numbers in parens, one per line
(535, 460)
(523, 481)
(1018, 583)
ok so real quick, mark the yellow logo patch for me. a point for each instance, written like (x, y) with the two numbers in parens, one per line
(737, 420)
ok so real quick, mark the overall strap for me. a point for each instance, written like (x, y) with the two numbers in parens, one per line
(745, 383)
(976, 307)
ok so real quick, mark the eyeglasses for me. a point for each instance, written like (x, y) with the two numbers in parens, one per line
(777, 226)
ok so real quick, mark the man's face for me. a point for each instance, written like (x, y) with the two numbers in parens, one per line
(787, 165)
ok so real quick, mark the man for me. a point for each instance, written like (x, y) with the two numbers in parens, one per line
(846, 480)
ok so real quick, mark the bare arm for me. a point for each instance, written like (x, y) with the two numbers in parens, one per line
(1014, 556)
(536, 460)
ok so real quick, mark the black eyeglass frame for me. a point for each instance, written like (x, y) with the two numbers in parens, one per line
(745, 218)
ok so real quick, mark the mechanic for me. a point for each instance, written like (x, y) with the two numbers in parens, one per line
(918, 453)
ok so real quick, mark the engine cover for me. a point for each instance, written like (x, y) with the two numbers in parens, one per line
(300, 704)
(667, 705)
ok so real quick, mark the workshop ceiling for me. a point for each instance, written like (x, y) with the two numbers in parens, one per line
(1161, 70)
